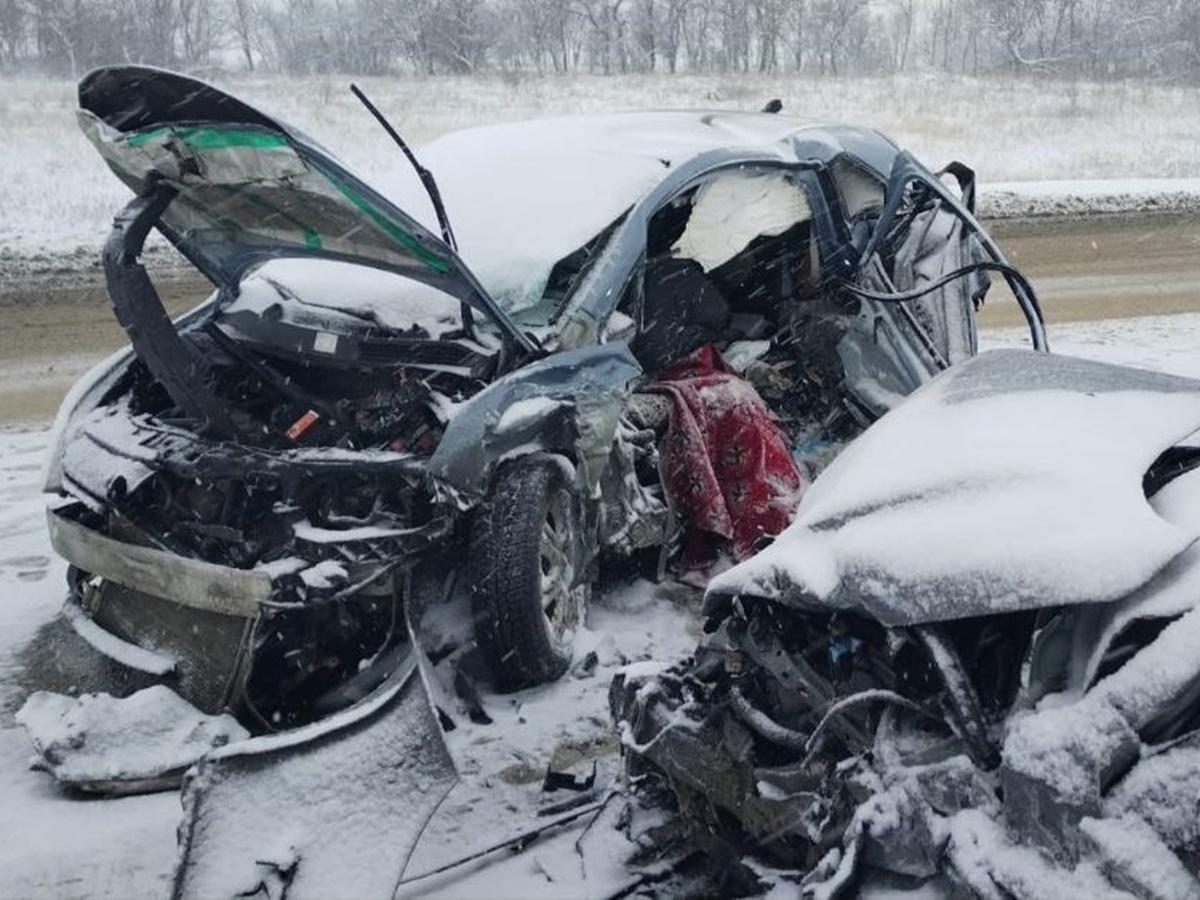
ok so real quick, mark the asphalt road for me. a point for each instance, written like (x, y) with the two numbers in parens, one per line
(1104, 267)
(53, 326)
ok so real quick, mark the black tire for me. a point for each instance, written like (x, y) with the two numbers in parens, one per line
(525, 629)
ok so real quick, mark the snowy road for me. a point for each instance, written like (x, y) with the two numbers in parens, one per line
(54, 845)
(53, 327)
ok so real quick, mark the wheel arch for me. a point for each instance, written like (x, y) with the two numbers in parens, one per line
(567, 405)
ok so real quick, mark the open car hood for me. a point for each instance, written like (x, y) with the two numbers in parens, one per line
(251, 188)
(1012, 481)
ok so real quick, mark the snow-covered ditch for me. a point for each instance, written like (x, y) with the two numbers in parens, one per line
(53, 844)
(1085, 197)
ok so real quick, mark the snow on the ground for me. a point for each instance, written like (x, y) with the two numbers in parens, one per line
(54, 845)
(1163, 343)
(1006, 129)
(1069, 197)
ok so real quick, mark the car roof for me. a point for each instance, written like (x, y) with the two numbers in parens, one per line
(523, 195)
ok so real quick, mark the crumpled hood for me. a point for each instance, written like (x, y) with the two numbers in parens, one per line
(1012, 481)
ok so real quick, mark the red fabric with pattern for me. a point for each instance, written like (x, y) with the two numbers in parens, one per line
(728, 466)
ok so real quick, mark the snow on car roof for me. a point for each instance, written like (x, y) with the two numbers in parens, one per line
(523, 195)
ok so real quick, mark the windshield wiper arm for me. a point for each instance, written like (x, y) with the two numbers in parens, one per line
(427, 179)
(431, 188)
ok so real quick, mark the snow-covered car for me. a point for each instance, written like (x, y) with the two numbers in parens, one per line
(970, 661)
(365, 414)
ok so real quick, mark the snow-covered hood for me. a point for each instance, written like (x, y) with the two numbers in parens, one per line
(1012, 481)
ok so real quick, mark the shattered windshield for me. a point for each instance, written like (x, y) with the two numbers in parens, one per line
(564, 278)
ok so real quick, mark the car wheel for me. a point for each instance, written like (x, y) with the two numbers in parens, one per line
(524, 556)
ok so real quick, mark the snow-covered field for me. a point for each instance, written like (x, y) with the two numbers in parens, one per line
(52, 845)
(56, 198)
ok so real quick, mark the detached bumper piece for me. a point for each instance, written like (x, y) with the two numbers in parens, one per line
(84, 741)
(256, 814)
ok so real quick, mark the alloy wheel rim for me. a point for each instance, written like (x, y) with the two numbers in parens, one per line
(556, 567)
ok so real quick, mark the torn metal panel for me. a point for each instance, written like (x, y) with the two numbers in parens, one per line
(84, 742)
(257, 813)
(906, 170)
(590, 386)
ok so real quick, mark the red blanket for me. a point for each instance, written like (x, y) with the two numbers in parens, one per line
(728, 466)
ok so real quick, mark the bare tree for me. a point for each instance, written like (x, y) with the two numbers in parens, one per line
(245, 23)
(768, 28)
(604, 17)
(1060, 38)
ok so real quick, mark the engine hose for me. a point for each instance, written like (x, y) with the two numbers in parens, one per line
(916, 293)
(875, 695)
(767, 728)
(762, 724)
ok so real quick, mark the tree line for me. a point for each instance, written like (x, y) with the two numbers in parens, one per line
(1158, 39)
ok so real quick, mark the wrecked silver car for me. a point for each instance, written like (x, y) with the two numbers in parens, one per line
(969, 662)
(365, 412)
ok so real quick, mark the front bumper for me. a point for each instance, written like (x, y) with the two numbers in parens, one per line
(190, 582)
(195, 604)
(113, 453)
(193, 619)
(195, 583)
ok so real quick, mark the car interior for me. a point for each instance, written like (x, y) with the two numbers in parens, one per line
(725, 260)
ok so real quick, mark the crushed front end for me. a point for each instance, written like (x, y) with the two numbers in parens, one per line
(991, 711)
(245, 497)
(785, 727)
(265, 578)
